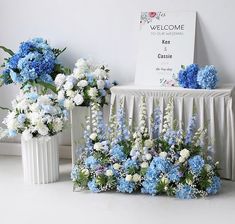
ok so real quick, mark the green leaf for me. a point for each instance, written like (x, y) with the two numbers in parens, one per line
(183, 66)
(48, 86)
(10, 52)
(5, 108)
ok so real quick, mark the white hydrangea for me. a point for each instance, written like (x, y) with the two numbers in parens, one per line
(92, 92)
(60, 79)
(82, 83)
(100, 84)
(78, 99)
(184, 153)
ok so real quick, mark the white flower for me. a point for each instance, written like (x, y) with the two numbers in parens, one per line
(100, 73)
(144, 165)
(81, 63)
(148, 143)
(98, 146)
(82, 83)
(92, 92)
(128, 177)
(208, 167)
(12, 124)
(44, 99)
(35, 107)
(136, 177)
(181, 159)
(189, 181)
(60, 79)
(148, 156)
(163, 154)
(100, 84)
(217, 163)
(60, 95)
(70, 93)
(165, 180)
(78, 73)
(116, 166)
(109, 173)
(68, 85)
(86, 172)
(93, 136)
(58, 125)
(69, 104)
(184, 153)
(34, 117)
(78, 99)
(42, 129)
(27, 135)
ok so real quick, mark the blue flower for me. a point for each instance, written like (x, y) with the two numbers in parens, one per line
(32, 96)
(149, 186)
(93, 186)
(107, 84)
(17, 78)
(21, 118)
(13, 61)
(196, 164)
(187, 78)
(156, 122)
(185, 192)
(125, 186)
(174, 174)
(90, 78)
(160, 164)
(152, 173)
(91, 162)
(130, 164)
(215, 185)
(75, 172)
(171, 136)
(12, 133)
(190, 130)
(207, 77)
(117, 153)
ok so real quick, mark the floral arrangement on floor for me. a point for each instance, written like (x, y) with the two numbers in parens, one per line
(34, 62)
(168, 161)
(86, 85)
(34, 115)
(198, 78)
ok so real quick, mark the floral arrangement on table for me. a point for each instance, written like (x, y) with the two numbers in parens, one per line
(34, 115)
(35, 62)
(195, 77)
(171, 161)
(86, 85)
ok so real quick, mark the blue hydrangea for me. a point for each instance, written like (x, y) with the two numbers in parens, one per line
(21, 118)
(152, 173)
(117, 153)
(75, 172)
(187, 78)
(32, 96)
(160, 164)
(93, 186)
(171, 136)
(125, 186)
(130, 164)
(107, 84)
(91, 162)
(149, 186)
(215, 185)
(174, 174)
(185, 192)
(90, 78)
(12, 133)
(207, 77)
(196, 164)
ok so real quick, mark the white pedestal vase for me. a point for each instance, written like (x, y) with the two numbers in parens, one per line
(40, 159)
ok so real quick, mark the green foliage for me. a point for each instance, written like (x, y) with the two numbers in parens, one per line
(82, 180)
(161, 187)
(7, 50)
(127, 146)
(58, 51)
(102, 157)
(101, 180)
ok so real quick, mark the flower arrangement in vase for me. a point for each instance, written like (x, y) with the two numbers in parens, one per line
(165, 160)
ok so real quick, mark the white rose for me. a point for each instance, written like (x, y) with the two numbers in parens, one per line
(81, 63)
(82, 83)
(86, 172)
(100, 73)
(70, 93)
(208, 167)
(128, 177)
(98, 146)
(78, 73)
(189, 182)
(184, 153)
(12, 124)
(43, 130)
(100, 84)
(148, 143)
(148, 156)
(92, 92)
(27, 135)
(181, 159)
(93, 136)
(144, 165)
(165, 180)
(163, 154)
(136, 177)
(69, 104)
(68, 85)
(78, 99)
(57, 125)
(116, 166)
(59, 80)
(109, 173)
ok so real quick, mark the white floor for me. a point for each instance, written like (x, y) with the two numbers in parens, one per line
(56, 203)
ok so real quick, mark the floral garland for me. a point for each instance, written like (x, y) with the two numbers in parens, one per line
(171, 162)
(34, 62)
(34, 115)
(86, 85)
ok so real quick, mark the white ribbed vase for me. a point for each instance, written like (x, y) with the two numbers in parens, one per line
(40, 158)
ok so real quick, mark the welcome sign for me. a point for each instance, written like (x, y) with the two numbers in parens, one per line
(166, 42)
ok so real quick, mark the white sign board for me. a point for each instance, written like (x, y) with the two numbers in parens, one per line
(166, 42)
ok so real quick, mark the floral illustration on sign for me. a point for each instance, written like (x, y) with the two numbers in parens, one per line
(147, 17)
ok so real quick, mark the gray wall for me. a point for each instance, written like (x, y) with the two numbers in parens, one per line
(107, 31)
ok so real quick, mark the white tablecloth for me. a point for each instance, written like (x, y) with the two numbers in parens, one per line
(214, 108)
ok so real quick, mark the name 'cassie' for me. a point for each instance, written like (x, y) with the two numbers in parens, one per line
(167, 27)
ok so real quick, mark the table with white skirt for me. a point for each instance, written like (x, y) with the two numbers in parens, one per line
(214, 110)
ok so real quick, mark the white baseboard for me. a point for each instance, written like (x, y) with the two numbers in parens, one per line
(14, 149)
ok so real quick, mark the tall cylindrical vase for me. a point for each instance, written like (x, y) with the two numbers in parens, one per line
(40, 159)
